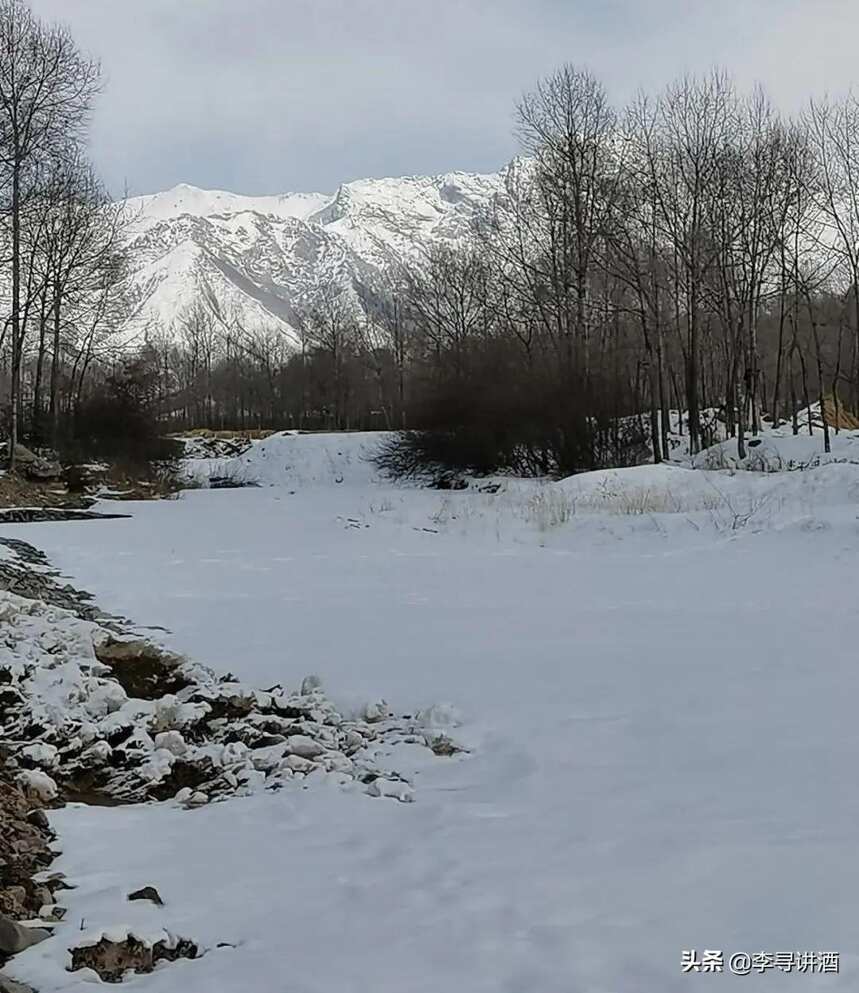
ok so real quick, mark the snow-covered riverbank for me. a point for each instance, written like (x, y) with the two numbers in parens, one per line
(658, 693)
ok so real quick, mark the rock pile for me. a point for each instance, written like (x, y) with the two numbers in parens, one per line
(213, 447)
(25, 850)
(26, 572)
(113, 955)
(38, 515)
(26, 887)
(33, 466)
(88, 714)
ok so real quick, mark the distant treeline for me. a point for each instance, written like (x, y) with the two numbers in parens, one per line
(692, 250)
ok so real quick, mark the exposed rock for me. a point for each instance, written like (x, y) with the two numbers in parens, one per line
(144, 670)
(43, 896)
(24, 853)
(306, 747)
(337, 762)
(353, 742)
(30, 575)
(38, 785)
(43, 470)
(55, 881)
(15, 901)
(112, 959)
(93, 715)
(206, 445)
(15, 937)
(295, 763)
(183, 775)
(442, 745)
(377, 711)
(8, 985)
(52, 914)
(34, 466)
(97, 754)
(147, 893)
(38, 515)
(39, 819)
(79, 478)
(40, 755)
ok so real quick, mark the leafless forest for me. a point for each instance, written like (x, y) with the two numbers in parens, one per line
(695, 251)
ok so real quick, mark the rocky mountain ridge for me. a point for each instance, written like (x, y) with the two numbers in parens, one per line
(259, 260)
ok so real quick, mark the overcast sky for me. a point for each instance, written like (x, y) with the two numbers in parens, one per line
(269, 96)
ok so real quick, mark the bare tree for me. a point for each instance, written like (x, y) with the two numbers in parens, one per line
(46, 89)
(83, 262)
(833, 130)
(569, 127)
(691, 126)
(330, 327)
(447, 291)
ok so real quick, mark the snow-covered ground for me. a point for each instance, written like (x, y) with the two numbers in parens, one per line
(656, 678)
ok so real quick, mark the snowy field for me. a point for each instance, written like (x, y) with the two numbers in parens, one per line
(655, 674)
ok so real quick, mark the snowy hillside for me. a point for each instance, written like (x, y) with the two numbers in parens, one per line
(258, 259)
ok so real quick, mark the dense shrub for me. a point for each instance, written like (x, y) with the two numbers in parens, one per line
(491, 414)
(120, 420)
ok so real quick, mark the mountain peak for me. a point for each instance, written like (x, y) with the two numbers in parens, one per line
(264, 258)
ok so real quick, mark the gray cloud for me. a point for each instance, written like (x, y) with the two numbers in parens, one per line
(264, 96)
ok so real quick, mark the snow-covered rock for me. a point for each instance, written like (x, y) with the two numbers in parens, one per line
(67, 713)
(171, 741)
(376, 711)
(304, 745)
(42, 755)
(38, 785)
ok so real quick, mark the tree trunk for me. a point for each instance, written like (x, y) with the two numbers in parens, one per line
(40, 362)
(55, 372)
(17, 342)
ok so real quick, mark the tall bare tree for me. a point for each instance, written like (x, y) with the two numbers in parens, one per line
(46, 90)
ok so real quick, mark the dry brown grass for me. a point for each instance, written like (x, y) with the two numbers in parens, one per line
(837, 416)
(15, 491)
(122, 482)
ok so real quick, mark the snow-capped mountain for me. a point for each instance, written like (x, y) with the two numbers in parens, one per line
(259, 259)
